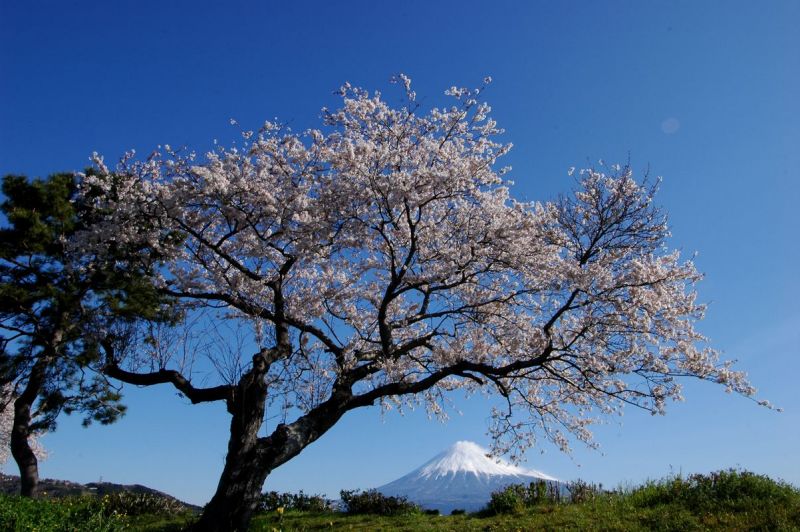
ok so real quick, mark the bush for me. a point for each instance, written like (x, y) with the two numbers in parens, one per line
(581, 491)
(510, 500)
(458, 511)
(272, 500)
(728, 490)
(374, 502)
(516, 497)
(129, 503)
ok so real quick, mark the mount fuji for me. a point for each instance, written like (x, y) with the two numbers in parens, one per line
(463, 476)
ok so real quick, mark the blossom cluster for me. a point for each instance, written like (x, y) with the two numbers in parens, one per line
(388, 244)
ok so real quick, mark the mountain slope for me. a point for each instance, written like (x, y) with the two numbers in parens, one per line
(463, 477)
(52, 488)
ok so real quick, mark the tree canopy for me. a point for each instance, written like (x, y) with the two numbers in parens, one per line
(383, 258)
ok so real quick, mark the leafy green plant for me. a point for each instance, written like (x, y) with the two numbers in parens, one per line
(272, 500)
(509, 500)
(374, 502)
(517, 497)
(581, 491)
(127, 503)
(721, 490)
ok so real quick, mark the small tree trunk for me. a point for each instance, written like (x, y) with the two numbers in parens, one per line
(25, 458)
(20, 431)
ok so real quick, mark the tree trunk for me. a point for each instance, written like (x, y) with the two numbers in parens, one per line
(251, 459)
(239, 486)
(247, 467)
(238, 490)
(20, 431)
(237, 494)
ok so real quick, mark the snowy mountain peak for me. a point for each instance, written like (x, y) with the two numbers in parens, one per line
(469, 457)
(463, 477)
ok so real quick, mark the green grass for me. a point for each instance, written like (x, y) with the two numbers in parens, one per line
(87, 513)
(159, 523)
(725, 500)
(76, 514)
(605, 513)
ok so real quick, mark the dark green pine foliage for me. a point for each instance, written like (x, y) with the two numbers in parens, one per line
(56, 306)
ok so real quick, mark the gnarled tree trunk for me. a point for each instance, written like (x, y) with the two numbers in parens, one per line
(240, 484)
(250, 459)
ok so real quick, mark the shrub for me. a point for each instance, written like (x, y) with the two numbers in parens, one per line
(374, 502)
(730, 490)
(458, 511)
(272, 500)
(516, 497)
(509, 500)
(581, 491)
(129, 503)
(539, 492)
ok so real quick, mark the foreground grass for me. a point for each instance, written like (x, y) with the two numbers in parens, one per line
(88, 513)
(69, 514)
(606, 513)
(727, 500)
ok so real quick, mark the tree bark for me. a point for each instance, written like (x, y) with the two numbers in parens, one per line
(240, 484)
(237, 493)
(20, 447)
(251, 459)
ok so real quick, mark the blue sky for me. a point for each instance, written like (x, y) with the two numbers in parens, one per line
(702, 93)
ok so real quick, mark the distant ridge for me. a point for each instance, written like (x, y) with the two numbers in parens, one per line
(461, 477)
(9, 484)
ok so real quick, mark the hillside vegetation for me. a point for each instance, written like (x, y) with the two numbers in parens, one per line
(725, 500)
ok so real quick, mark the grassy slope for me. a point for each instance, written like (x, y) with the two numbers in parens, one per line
(727, 500)
(602, 514)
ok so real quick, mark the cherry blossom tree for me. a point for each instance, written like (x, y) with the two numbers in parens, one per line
(382, 259)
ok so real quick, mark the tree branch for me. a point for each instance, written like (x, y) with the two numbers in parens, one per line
(164, 376)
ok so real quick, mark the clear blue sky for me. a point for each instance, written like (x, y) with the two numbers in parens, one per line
(702, 93)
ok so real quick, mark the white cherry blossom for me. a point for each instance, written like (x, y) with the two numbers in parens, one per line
(385, 256)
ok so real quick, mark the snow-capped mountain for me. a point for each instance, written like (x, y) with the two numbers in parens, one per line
(463, 476)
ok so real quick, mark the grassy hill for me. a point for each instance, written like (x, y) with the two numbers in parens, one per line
(725, 500)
